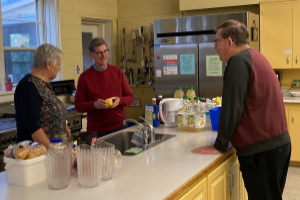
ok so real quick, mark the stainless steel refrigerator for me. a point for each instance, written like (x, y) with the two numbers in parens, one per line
(184, 53)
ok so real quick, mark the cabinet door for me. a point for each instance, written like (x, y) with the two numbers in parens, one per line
(216, 183)
(199, 192)
(243, 191)
(233, 189)
(296, 33)
(294, 127)
(276, 23)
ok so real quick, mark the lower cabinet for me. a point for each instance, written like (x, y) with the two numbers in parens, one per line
(216, 183)
(292, 111)
(198, 191)
(224, 183)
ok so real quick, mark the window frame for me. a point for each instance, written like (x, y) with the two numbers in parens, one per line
(41, 37)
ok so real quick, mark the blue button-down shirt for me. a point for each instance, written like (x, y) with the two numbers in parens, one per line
(98, 69)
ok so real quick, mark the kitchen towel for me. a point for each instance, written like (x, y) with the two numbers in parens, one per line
(138, 136)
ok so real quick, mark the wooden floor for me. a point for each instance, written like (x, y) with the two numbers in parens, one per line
(292, 186)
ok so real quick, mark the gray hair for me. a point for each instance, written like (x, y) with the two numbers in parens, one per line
(96, 42)
(46, 53)
(236, 30)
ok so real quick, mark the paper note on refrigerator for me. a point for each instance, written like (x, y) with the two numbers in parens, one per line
(213, 66)
(187, 64)
(170, 64)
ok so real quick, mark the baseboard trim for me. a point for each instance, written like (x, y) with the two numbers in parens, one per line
(294, 164)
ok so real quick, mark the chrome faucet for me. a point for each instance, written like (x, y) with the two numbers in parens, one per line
(150, 129)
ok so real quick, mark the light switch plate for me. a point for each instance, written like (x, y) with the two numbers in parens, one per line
(77, 69)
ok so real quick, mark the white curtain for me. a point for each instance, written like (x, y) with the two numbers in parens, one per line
(51, 28)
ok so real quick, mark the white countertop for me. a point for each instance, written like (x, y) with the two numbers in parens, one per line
(153, 174)
(288, 98)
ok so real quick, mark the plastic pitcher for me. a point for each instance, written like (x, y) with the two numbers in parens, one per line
(58, 164)
(89, 165)
(112, 158)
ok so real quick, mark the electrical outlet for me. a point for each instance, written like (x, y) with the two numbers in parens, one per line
(296, 82)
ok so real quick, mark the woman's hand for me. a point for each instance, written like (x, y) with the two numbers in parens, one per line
(68, 130)
(116, 101)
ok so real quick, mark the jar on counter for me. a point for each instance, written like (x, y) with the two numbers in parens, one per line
(63, 136)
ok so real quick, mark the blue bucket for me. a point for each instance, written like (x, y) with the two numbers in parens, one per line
(214, 117)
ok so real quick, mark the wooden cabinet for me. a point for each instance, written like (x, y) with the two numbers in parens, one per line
(280, 27)
(216, 183)
(243, 191)
(233, 177)
(223, 183)
(198, 191)
(294, 127)
(293, 118)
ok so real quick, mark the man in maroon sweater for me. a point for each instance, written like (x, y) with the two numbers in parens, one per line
(252, 117)
(100, 82)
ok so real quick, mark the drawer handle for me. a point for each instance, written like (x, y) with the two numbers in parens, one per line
(288, 60)
(293, 118)
(296, 59)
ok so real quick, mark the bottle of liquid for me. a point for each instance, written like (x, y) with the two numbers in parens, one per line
(191, 93)
(197, 117)
(179, 93)
(208, 105)
(183, 118)
(159, 98)
(154, 101)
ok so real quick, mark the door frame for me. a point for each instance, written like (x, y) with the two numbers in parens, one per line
(104, 30)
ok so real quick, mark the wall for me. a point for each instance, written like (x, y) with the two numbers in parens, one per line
(71, 13)
(131, 15)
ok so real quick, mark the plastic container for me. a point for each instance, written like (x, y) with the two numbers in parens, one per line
(208, 105)
(159, 98)
(197, 116)
(183, 117)
(25, 172)
(58, 164)
(152, 114)
(214, 117)
(191, 93)
(154, 101)
(179, 93)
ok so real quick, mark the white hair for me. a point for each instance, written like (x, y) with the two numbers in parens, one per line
(46, 53)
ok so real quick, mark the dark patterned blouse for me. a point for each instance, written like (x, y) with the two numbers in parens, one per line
(38, 107)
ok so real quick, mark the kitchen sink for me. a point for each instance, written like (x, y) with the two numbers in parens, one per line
(122, 140)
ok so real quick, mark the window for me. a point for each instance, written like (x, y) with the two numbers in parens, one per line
(25, 26)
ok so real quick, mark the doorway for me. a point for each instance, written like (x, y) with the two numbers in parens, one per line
(90, 29)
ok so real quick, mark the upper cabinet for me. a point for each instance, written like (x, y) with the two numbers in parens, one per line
(279, 29)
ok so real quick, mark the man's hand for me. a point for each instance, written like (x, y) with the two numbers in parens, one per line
(68, 131)
(100, 104)
(206, 150)
(116, 101)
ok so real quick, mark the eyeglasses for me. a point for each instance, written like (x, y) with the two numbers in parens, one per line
(105, 52)
(215, 41)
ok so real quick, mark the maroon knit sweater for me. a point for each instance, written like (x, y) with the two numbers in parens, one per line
(93, 85)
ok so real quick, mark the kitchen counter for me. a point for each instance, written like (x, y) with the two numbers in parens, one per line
(160, 172)
(288, 98)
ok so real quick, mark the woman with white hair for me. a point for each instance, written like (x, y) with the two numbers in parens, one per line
(39, 113)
